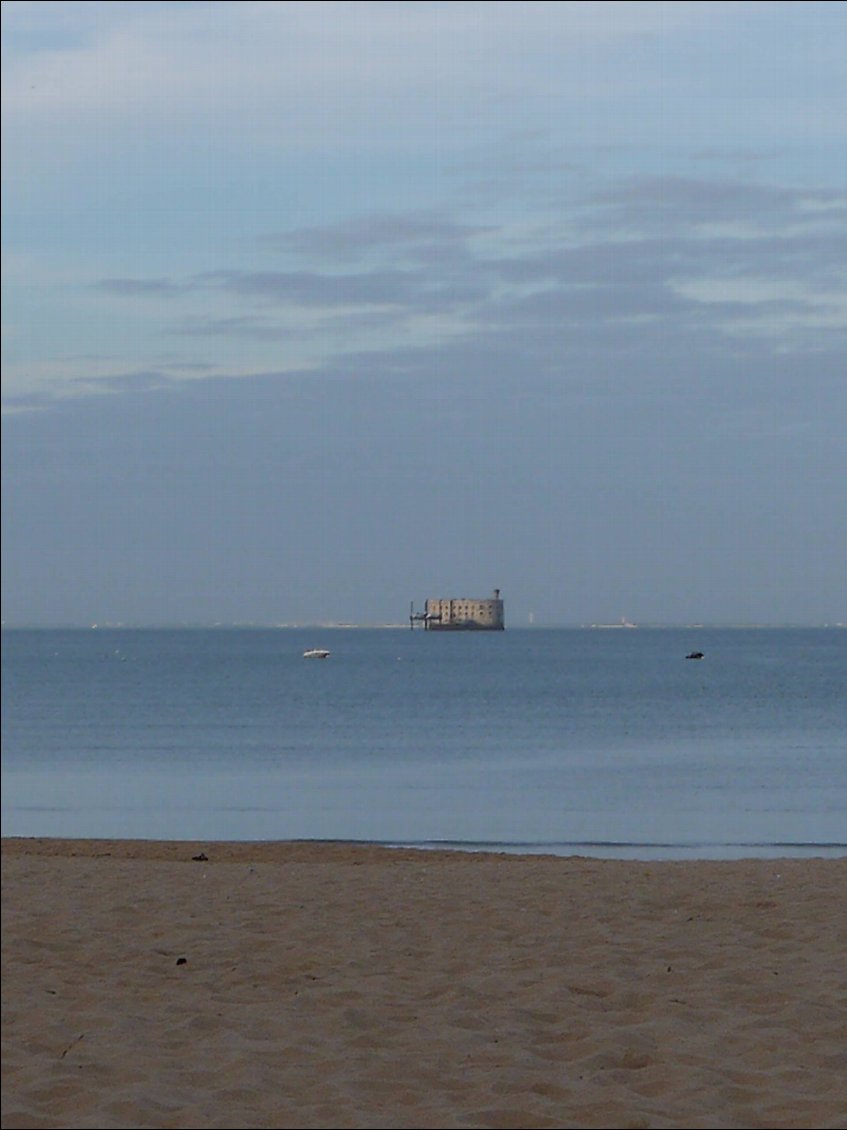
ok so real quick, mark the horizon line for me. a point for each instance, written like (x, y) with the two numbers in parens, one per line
(340, 625)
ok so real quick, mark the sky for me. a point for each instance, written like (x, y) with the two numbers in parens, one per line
(315, 310)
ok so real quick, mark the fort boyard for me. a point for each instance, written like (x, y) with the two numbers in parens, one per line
(461, 614)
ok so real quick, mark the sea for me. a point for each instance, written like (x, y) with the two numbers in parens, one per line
(592, 742)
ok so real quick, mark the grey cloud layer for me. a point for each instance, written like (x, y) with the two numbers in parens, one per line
(379, 271)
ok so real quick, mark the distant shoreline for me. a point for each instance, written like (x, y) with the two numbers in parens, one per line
(332, 627)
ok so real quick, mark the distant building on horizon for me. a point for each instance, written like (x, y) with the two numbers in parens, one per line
(461, 614)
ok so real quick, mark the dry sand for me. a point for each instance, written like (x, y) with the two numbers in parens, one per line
(330, 985)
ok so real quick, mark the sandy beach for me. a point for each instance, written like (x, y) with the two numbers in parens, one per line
(302, 985)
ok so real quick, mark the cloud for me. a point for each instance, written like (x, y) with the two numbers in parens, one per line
(725, 261)
(298, 77)
(810, 261)
(311, 288)
(247, 326)
(137, 288)
(147, 52)
(148, 380)
(650, 203)
(418, 235)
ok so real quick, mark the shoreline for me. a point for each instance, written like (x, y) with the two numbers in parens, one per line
(638, 852)
(327, 984)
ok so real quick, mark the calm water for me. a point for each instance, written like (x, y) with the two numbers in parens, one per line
(565, 741)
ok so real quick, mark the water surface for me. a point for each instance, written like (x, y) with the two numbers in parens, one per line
(566, 741)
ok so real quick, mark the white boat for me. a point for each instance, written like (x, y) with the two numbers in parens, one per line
(316, 653)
